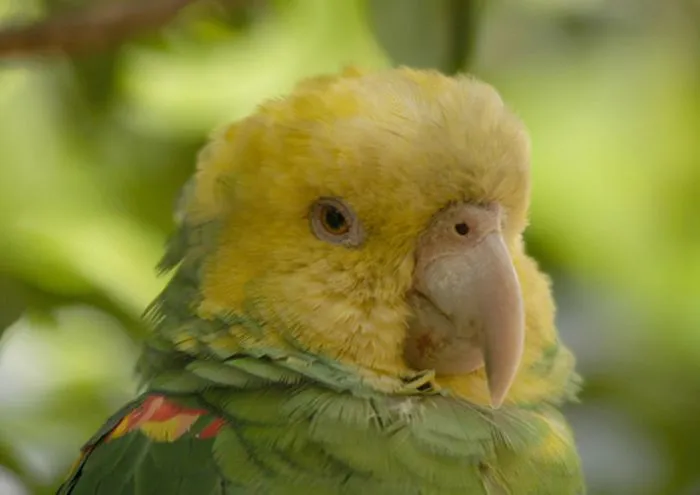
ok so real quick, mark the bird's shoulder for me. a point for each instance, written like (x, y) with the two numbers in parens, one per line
(156, 444)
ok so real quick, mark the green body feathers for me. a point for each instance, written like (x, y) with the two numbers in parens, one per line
(221, 428)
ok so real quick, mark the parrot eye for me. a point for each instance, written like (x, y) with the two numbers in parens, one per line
(334, 221)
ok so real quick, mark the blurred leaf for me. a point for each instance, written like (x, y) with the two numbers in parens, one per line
(13, 302)
(301, 37)
(97, 76)
(8, 457)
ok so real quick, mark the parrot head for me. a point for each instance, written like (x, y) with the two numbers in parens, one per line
(375, 220)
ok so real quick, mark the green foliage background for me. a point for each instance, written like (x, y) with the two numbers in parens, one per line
(93, 150)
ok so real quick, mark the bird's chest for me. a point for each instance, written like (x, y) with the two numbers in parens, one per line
(345, 444)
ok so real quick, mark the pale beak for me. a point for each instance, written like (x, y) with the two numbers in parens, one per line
(466, 299)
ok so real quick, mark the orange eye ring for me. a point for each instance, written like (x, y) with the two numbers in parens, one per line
(333, 221)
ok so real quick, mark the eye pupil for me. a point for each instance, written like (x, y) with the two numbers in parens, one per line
(334, 219)
(462, 228)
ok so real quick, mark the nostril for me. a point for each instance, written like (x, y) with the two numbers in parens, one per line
(462, 228)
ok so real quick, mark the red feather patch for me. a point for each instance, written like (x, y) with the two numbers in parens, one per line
(162, 419)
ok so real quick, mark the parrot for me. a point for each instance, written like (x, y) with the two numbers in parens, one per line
(351, 308)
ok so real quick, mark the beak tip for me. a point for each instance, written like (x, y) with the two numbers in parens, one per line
(499, 385)
(496, 399)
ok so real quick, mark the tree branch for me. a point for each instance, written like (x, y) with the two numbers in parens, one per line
(91, 30)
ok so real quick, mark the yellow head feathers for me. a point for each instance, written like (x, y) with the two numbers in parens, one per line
(396, 146)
